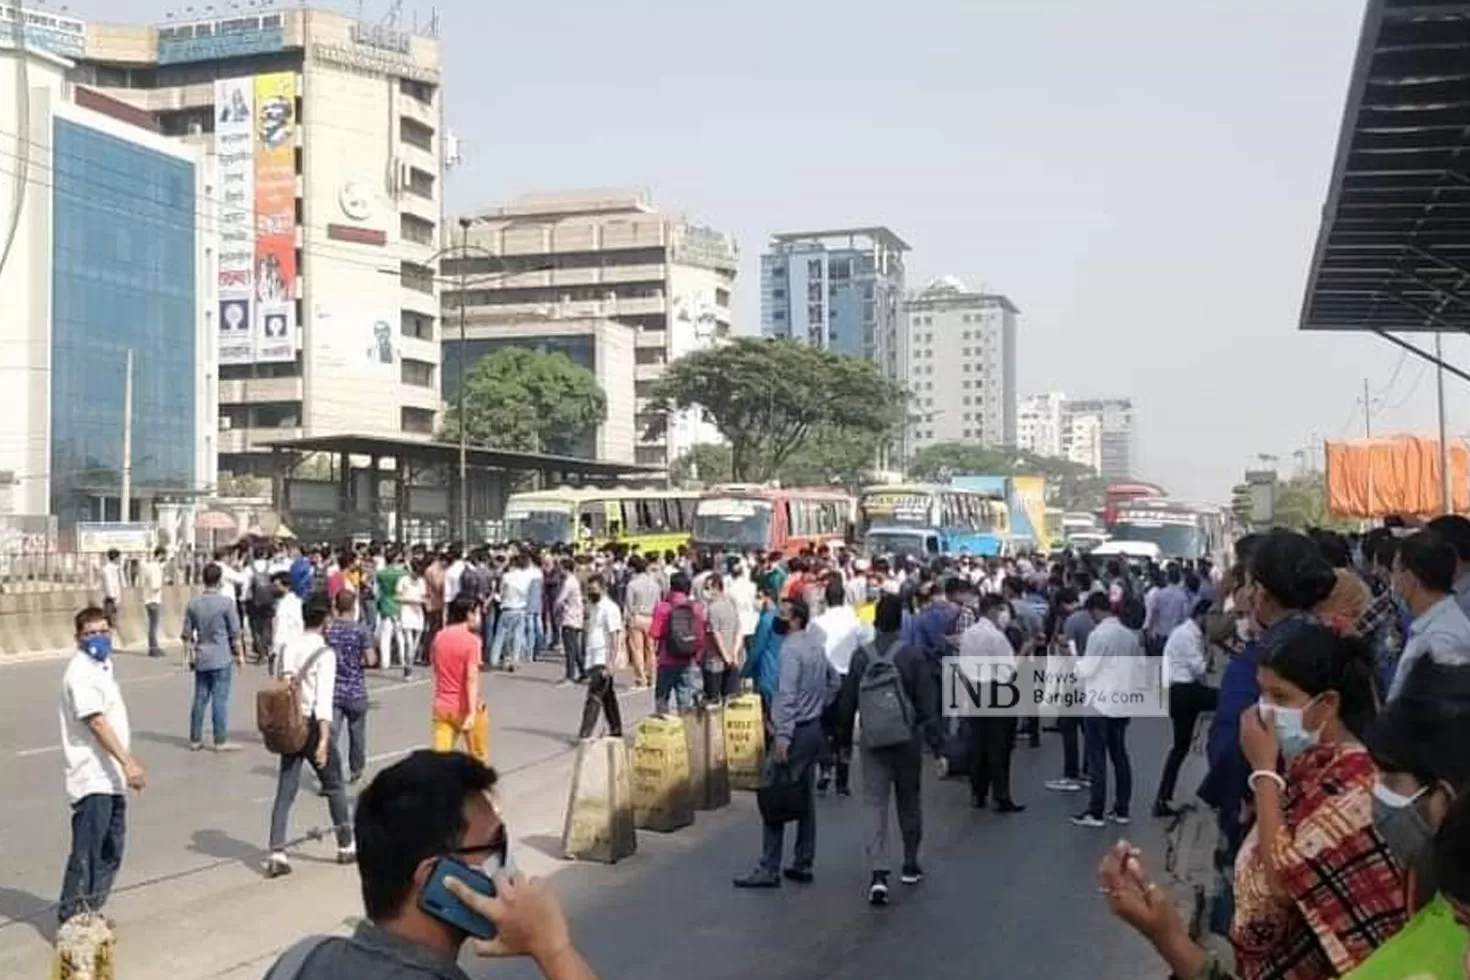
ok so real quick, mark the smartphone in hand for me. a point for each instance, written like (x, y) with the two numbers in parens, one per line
(442, 904)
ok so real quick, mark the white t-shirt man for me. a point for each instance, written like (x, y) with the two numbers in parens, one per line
(112, 581)
(515, 589)
(452, 576)
(316, 683)
(89, 688)
(842, 634)
(604, 622)
(742, 592)
(152, 582)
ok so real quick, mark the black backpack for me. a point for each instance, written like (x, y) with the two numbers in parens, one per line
(682, 638)
(262, 592)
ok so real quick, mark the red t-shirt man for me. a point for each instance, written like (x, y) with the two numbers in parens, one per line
(457, 710)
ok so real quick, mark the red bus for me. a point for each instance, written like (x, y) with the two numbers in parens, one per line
(1116, 493)
(740, 517)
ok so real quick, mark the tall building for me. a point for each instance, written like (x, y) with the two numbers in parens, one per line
(961, 366)
(543, 261)
(838, 290)
(321, 143)
(1107, 424)
(1039, 423)
(104, 262)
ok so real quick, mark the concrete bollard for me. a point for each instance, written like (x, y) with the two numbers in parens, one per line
(599, 823)
(662, 799)
(745, 741)
(704, 733)
(85, 949)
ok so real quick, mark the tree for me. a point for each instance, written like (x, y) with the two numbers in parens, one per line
(770, 398)
(1069, 485)
(527, 400)
(839, 457)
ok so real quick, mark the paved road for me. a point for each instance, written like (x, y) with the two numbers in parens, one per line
(1012, 894)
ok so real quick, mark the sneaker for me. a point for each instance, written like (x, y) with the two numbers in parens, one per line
(277, 866)
(1009, 806)
(226, 747)
(1064, 785)
(196, 746)
(347, 855)
(878, 890)
(564, 683)
(912, 874)
(799, 875)
(759, 878)
(1121, 819)
(844, 791)
(1088, 820)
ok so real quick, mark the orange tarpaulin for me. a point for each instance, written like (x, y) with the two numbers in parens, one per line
(1379, 477)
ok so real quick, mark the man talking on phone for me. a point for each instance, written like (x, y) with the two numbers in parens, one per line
(430, 810)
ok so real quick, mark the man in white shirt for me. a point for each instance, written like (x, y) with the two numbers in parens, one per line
(1112, 666)
(152, 582)
(991, 735)
(841, 633)
(515, 593)
(309, 659)
(1186, 666)
(453, 574)
(288, 625)
(112, 585)
(742, 592)
(604, 634)
(100, 769)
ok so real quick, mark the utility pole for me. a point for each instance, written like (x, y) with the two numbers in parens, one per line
(464, 466)
(126, 511)
(1444, 446)
(1368, 434)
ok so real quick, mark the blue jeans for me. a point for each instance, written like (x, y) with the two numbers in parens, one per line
(1106, 738)
(98, 832)
(154, 614)
(211, 687)
(679, 684)
(510, 629)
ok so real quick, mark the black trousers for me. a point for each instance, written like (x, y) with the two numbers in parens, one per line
(991, 739)
(1186, 703)
(602, 698)
(1071, 728)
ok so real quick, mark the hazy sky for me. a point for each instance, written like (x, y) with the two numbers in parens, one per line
(1143, 178)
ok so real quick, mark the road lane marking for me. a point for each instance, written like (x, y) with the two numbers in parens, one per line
(26, 753)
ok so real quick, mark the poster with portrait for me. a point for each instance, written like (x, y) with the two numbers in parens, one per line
(234, 108)
(275, 216)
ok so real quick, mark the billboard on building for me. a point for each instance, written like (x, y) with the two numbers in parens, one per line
(275, 217)
(234, 109)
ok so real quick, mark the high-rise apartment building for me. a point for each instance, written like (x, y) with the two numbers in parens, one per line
(541, 262)
(1039, 423)
(1102, 429)
(960, 366)
(106, 286)
(322, 150)
(838, 290)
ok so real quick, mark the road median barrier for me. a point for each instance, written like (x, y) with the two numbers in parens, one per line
(599, 823)
(745, 741)
(662, 796)
(86, 949)
(709, 775)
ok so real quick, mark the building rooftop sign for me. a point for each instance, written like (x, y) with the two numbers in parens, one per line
(373, 61)
(705, 247)
(230, 37)
(380, 36)
(44, 31)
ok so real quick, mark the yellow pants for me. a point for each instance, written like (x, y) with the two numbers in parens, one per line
(447, 730)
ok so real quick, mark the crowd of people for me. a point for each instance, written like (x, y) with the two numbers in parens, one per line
(1336, 732)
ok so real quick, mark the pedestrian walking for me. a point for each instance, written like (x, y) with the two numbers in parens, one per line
(1113, 654)
(722, 666)
(569, 616)
(433, 602)
(510, 628)
(100, 768)
(152, 582)
(260, 606)
(992, 735)
(390, 612)
(214, 649)
(412, 595)
(458, 712)
(604, 638)
(350, 642)
(642, 596)
(288, 624)
(889, 684)
(309, 662)
(808, 684)
(1187, 665)
(112, 585)
(678, 631)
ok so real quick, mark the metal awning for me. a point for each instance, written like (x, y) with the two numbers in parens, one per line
(1393, 251)
(422, 452)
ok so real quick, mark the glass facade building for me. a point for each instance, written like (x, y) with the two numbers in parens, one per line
(123, 278)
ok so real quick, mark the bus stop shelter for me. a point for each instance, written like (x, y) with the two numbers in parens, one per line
(1393, 251)
(328, 488)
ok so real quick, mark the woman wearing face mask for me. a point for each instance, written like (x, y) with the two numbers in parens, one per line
(1316, 888)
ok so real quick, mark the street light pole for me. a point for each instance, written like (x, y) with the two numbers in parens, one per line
(464, 483)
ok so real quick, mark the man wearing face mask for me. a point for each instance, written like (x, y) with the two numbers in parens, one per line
(434, 805)
(604, 636)
(1424, 578)
(100, 769)
(991, 736)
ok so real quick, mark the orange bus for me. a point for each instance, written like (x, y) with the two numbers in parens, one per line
(740, 518)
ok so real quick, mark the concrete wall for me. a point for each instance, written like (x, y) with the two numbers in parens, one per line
(36, 623)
